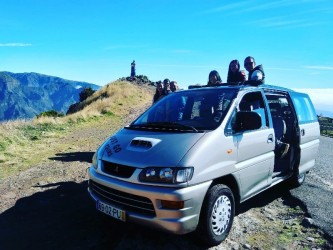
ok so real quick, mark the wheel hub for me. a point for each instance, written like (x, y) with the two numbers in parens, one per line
(221, 215)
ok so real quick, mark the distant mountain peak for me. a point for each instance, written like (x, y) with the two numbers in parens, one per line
(25, 95)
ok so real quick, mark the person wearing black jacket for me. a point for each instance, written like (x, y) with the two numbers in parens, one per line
(256, 73)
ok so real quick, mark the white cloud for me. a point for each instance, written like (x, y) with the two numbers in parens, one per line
(247, 6)
(322, 98)
(319, 67)
(15, 44)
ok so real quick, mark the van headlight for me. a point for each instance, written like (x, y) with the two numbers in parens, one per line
(171, 175)
(94, 161)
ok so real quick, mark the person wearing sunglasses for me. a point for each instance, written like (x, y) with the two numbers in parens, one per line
(256, 73)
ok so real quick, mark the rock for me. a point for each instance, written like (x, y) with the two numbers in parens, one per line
(233, 245)
(307, 222)
(247, 246)
(310, 239)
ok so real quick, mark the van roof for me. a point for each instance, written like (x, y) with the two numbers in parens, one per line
(243, 86)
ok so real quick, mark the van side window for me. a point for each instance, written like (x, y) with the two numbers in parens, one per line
(254, 102)
(305, 110)
(251, 102)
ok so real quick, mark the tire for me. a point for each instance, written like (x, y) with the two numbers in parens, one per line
(217, 215)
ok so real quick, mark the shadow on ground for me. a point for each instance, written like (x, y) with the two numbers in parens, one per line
(73, 156)
(278, 191)
(60, 218)
(64, 217)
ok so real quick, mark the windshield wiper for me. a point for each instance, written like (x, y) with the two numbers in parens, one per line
(174, 125)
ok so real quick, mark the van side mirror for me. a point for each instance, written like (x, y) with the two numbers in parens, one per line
(247, 120)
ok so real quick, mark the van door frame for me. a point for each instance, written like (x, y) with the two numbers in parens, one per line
(255, 158)
(294, 141)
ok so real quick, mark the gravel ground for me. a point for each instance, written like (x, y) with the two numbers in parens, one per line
(48, 207)
(317, 191)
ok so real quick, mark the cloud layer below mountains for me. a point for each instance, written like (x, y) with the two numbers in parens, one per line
(322, 99)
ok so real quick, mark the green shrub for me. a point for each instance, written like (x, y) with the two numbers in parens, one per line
(50, 113)
(2, 146)
(85, 93)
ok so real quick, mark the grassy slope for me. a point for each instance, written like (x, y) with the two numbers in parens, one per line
(26, 143)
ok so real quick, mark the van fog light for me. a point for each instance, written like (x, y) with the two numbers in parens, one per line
(172, 204)
(94, 161)
(170, 175)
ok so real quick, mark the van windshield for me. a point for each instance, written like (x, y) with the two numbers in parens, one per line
(188, 111)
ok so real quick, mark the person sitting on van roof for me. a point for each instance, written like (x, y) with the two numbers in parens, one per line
(214, 78)
(234, 72)
(256, 73)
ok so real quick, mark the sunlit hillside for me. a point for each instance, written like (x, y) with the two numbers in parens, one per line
(27, 142)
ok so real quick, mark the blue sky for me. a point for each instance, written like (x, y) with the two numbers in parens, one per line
(95, 41)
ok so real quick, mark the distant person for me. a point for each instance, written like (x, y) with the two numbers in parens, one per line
(234, 72)
(166, 84)
(133, 69)
(214, 78)
(179, 103)
(173, 86)
(159, 93)
(256, 73)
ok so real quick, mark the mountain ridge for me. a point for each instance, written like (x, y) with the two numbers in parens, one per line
(25, 95)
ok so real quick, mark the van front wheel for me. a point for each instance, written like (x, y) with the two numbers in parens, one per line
(217, 215)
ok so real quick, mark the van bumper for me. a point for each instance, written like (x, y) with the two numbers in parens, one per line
(128, 197)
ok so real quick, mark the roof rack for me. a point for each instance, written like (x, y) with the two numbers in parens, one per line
(246, 83)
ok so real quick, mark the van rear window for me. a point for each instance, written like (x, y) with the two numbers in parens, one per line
(304, 108)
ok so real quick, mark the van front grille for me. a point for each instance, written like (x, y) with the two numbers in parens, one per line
(117, 170)
(125, 201)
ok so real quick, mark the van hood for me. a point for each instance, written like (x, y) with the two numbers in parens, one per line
(144, 148)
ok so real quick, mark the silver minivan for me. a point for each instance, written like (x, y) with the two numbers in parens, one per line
(189, 160)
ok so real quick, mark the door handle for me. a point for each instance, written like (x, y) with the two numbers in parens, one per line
(302, 132)
(270, 139)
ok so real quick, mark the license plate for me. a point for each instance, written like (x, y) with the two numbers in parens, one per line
(111, 210)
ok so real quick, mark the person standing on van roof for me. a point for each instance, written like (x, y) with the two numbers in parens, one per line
(256, 73)
(234, 72)
(214, 78)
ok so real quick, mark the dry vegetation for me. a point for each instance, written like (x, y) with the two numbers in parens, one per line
(24, 143)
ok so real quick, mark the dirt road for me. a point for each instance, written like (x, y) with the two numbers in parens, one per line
(317, 191)
(48, 207)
